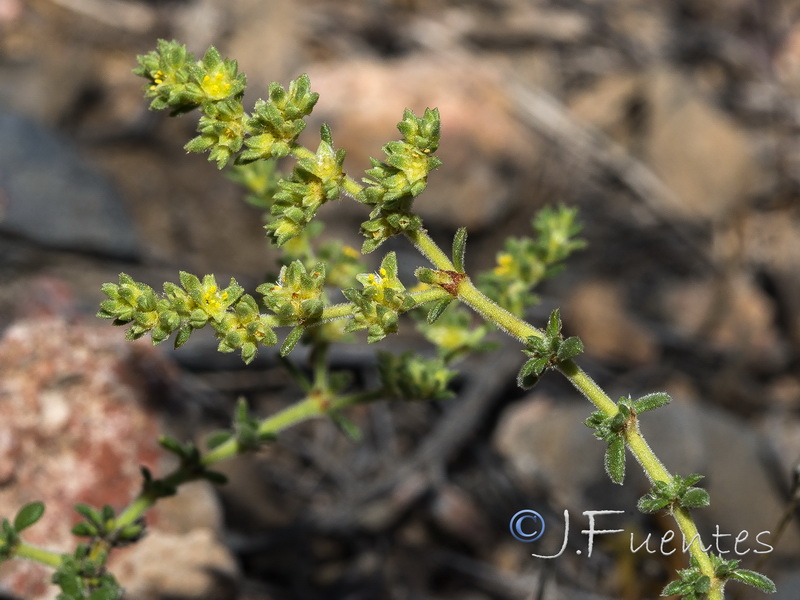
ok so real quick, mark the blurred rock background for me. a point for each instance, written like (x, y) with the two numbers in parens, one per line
(673, 126)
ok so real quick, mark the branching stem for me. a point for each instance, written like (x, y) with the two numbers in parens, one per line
(521, 330)
(312, 406)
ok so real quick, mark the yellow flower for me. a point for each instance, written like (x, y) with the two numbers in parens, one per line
(351, 252)
(214, 301)
(378, 281)
(505, 264)
(158, 79)
(216, 87)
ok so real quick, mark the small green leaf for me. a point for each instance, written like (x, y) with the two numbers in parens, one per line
(183, 336)
(189, 282)
(695, 498)
(426, 275)
(757, 580)
(528, 381)
(325, 134)
(84, 529)
(28, 515)
(215, 477)
(107, 593)
(350, 429)
(529, 374)
(89, 513)
(438, 308)
(648, 504)
(553, 328)
(459, 249)
(291, 340)
(570, 347)
(242, 411)
(389, 264)
(690, 479)
(107, 513)
(217, 438)
(172, 445)
(249, 351)
(674, 588)
(615, 459)
(651, 401)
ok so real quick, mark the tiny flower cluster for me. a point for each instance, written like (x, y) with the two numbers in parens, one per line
(222, 129)
(315, 180)
(393, 184)
(269, 133)
(179, 83)
(232, 314)
(277, 122)
(379, 304)
(525, 262)
(455, 335)
(413, 377)
(297, 297)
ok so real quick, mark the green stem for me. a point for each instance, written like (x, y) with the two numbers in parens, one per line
(348, 185)
(317, 403)
(469, 294)
(690, 533)
(345, 309)
(314, 405)
(430, 249)
(351, 187)
(140, 505)
(45, 557)
(319, 362)
(653, 468)
(329, 313)
(301, 152)
(587, 386)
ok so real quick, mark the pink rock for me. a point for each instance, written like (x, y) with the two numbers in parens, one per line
(76, 426)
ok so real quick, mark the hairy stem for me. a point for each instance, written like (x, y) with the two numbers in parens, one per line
(345, 310)
(587, 386)
(468, 293)
(315, 405)
(430, 250)
(690, 533)
(45, 557)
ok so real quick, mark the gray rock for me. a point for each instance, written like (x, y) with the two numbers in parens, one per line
(52, 197)
(701, 154)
